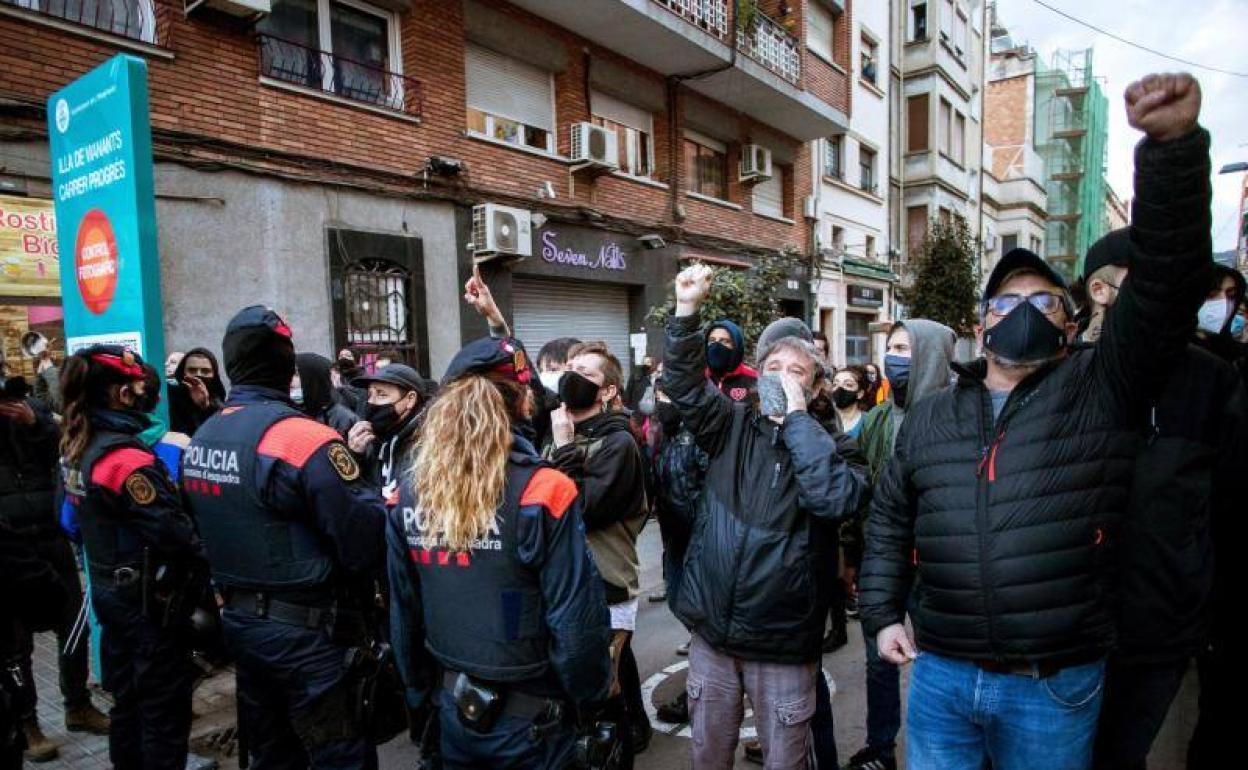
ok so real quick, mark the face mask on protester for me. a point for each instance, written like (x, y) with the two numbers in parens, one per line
(1025, 336)
(296, 395)
(1212, 315)
(1237, 325)
(384, 418)
(550, 380)
(820, 406)
(897, 370)
(577, 391)
(872, 377)
(718, 357)
(844, 398)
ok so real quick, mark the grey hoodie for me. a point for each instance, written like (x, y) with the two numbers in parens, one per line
(931, 352)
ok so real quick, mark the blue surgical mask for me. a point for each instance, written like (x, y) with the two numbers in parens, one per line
(1212, 315)
(1237, 325)
(897, 370)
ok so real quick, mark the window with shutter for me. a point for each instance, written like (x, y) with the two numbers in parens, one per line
(635, 129)
(946, 127)
(509, 100)
(916, 229)
(959, 137)
(769, 195)
(820, 28)
(917, 124)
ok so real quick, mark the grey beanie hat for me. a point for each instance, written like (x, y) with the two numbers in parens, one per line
(781, 328)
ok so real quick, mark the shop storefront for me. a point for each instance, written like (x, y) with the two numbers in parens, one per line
(30, 289)
(583, 282)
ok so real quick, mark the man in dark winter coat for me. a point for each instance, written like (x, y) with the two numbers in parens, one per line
(1166, 553)
(1005, 492)
(396, 397)
(754, 588)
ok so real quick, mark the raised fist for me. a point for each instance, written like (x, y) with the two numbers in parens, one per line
(692, 285)
(1165, 106)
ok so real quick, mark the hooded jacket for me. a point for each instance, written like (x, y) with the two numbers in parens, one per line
(604, 461)
(1222, 344)
(931, 353)
(755, 582)
(739, 381)
(184, 415)
(1006, 527)
(318, 394)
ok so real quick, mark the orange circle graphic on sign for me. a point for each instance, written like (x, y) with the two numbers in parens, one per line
(95, 260)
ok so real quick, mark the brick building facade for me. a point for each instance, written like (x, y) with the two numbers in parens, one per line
(291, 173)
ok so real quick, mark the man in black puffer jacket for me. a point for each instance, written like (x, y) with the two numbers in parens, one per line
(1006, 490)
(755, 586)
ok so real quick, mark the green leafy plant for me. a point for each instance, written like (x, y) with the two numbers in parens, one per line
(748, 297)
(944, 285)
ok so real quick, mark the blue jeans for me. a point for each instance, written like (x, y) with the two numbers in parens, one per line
(510, 745)
(883, 699)
(964, 718)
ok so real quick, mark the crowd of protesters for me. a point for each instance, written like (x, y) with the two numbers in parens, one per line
(1034, 532)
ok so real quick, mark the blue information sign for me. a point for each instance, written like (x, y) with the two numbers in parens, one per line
(101, 146)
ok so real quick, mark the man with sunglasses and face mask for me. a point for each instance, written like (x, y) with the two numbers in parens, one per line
(1003, 496)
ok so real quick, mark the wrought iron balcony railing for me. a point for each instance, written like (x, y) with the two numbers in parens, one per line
(709, 15)
(135, 19)
(321, 70)
(768, 43)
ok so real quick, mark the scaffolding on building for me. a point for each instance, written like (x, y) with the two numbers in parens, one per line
(1072, 135)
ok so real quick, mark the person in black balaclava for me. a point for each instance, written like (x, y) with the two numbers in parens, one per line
(196, 391)
(725, 361)
(261, 479)
(312, 392)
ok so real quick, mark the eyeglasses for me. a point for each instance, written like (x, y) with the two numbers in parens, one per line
(1045, 301)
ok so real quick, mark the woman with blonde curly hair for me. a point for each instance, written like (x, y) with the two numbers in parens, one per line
(491, 577)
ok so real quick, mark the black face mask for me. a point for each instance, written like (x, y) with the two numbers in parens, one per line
(577, 391)
(1025, 336)
(718, 357)
(384, 418)
(844, 398)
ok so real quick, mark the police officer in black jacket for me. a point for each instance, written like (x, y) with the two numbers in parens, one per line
(494, 597)
(292, 535)
(141, 552)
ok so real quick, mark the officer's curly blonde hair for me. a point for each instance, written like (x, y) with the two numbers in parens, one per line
(460, 467)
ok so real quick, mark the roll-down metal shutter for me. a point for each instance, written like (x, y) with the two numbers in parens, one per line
(546, 310)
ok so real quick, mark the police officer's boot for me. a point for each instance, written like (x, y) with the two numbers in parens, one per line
(39, 748)
(86, 719)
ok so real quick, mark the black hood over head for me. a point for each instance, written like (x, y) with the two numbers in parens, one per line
(259, 349)
(216, 387)
(318, 388)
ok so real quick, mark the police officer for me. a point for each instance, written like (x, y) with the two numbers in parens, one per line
(491, 575)
(292, 535)
(141, 554)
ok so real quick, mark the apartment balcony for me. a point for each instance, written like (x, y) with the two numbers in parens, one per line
(321, 71)
(133, 19)
(762, 78)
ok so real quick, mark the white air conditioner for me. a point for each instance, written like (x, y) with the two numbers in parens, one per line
(755, 163)
(246, 9)
(499, 231)
(595, 146)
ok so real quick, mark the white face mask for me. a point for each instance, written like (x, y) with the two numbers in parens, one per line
(296, 395)
(550, 380)
(1213, 314)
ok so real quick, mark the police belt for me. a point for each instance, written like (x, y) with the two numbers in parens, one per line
(263, 605)
(515, 704)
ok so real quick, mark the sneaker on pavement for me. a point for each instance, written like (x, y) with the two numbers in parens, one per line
(86, 719)
(39, 748)
(675, 711)
(754, 752)
(872, 759)
(684, 648)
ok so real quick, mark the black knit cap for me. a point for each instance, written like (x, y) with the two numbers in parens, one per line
(259, 349)
(1111, 249)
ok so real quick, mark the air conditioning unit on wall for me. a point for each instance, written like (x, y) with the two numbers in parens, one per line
(595, 146)
(244, 9)
(755, 163)
(500, 231)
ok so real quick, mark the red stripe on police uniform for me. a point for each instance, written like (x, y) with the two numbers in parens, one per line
(295, 439)
(112, 470)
